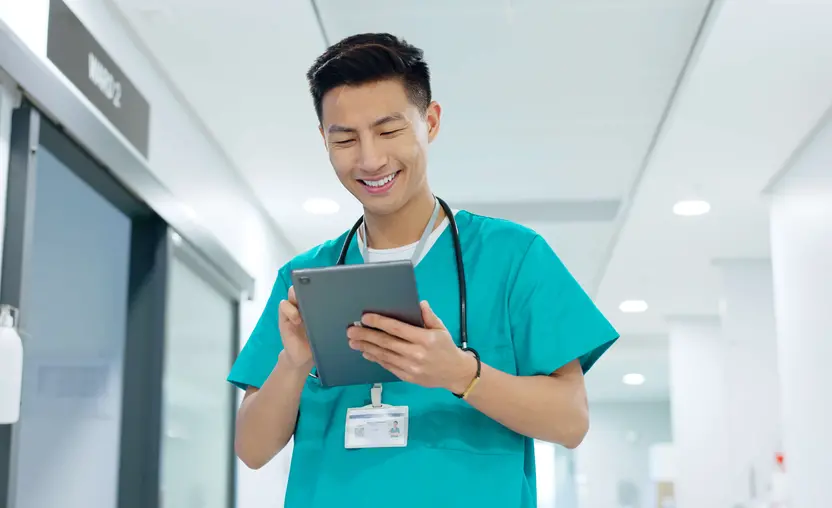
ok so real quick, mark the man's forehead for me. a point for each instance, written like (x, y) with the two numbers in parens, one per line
(365, 103)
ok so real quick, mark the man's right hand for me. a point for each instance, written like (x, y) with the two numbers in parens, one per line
(296, 351)
(268, 416)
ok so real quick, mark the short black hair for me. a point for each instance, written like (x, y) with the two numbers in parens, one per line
(368, 58)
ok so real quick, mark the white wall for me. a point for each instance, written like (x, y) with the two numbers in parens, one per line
(699, 412)
(188, 162)
(752, 381)
(616, 452)
(266, 487)
(801, 244)
(801, 226)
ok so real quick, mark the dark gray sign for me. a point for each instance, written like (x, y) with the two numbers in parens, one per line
(76, 53)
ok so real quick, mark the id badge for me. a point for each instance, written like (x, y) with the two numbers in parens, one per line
(376, 427)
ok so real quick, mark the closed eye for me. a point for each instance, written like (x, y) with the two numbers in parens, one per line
(390, 133)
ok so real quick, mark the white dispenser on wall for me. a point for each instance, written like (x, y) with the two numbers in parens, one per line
(11, 366)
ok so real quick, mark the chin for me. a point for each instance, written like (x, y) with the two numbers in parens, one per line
(383, 206)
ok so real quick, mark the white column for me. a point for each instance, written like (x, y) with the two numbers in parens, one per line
(565, 488)
(544, 455)
(699, 415)
(752, 382)
(663, 475)
(801, 238)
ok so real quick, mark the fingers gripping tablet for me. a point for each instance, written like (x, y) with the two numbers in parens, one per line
(333, 299)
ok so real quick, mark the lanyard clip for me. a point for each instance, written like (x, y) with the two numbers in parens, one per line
(375, 395)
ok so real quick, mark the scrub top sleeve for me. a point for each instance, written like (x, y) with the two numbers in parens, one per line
(259, 356)
(553, 321)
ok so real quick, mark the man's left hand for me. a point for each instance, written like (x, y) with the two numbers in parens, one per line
(424, 356)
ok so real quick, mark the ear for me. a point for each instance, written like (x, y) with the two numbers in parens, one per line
(433, 119)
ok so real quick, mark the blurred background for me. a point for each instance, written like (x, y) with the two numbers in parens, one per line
(160, 160)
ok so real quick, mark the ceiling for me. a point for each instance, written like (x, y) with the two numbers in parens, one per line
(760, 81)
(584, 119)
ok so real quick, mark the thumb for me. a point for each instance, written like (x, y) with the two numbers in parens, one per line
(432, 321)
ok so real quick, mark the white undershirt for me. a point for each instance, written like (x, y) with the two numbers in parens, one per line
(405, 252)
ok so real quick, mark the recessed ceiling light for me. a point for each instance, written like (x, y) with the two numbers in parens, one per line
(633, 306)
(691, 208)
(633, 379)
(321, 206)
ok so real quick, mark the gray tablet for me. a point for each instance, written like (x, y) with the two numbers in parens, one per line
(334, 298)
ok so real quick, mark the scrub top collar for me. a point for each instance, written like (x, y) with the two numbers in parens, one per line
(423, 241)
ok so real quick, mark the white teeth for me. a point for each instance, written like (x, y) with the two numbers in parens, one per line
(378, 183)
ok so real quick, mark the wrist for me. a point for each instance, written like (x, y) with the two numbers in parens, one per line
(295, 371)
(465, 373)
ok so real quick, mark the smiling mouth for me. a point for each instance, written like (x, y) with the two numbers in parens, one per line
(380, 185)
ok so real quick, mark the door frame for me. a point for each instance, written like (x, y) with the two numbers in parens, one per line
(17, 240)
(153, 247)
(141, 392)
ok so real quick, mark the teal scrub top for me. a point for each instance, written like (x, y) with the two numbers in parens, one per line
(527, 316)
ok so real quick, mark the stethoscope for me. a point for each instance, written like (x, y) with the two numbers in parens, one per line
(460, 268)
(460, 274)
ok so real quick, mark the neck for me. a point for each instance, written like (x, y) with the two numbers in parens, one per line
(403, 227)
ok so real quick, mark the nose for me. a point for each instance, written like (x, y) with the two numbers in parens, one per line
(371, 159)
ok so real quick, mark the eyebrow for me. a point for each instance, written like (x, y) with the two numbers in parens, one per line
(381, 121)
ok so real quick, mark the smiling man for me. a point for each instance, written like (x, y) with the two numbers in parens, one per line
(473, 414)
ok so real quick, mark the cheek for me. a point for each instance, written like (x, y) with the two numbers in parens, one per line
(341, 161)
(411, 152)
(416, 157)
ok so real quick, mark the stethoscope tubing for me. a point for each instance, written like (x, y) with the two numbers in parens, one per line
(460, 270)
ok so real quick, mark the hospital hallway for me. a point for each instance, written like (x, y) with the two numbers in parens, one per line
(161, 161)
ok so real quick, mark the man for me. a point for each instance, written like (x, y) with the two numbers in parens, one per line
(535, 330)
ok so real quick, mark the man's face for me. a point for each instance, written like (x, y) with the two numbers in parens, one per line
(377, 142)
